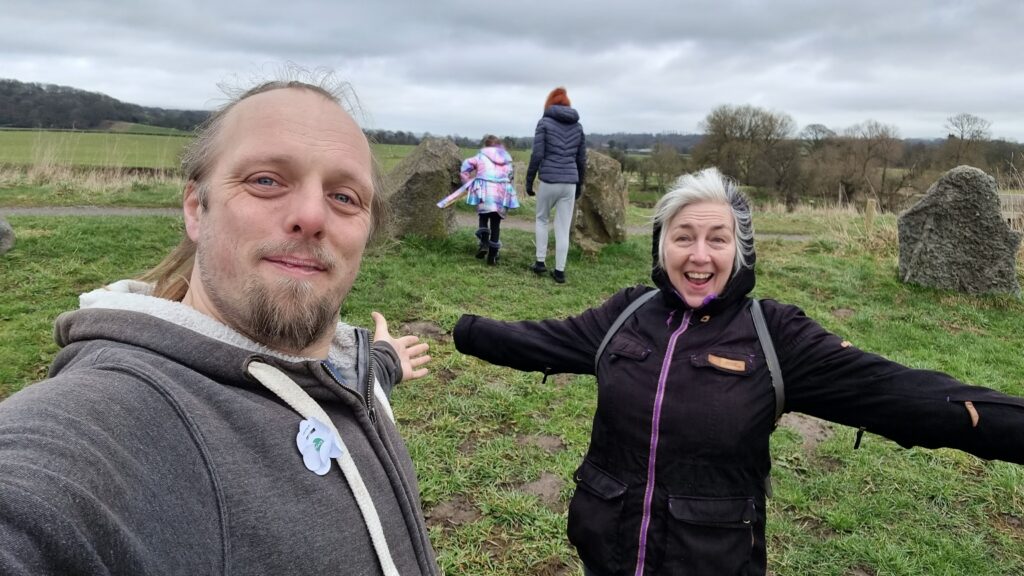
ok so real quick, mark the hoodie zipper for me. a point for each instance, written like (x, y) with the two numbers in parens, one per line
(367, 397)
(368, 394)
(655, 422)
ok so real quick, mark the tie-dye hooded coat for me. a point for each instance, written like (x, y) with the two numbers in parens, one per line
(491, 173)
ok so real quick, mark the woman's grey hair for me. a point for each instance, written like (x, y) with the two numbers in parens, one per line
(708, 185)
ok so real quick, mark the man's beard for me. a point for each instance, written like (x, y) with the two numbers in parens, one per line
(284, 314)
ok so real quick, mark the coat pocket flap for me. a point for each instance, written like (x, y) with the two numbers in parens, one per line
(627, 347)
(712, 511)
(598, 482)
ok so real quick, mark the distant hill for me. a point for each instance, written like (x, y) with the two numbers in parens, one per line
(33, 105)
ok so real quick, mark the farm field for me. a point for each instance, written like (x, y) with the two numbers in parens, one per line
(495, 449)
(93, 149)
(123, 148)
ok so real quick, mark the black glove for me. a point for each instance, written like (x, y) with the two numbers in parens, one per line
(529, 191)
(579, 190)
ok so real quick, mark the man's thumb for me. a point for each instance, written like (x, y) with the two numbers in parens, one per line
(380, 326)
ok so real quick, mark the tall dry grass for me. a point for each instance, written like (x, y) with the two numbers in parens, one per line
(50, 169)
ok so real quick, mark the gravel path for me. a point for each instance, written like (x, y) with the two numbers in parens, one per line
(464, 219)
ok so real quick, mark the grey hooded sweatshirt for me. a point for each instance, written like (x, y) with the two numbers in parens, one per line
(152, 449)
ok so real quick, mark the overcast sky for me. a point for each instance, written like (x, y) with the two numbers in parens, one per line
(469, 68)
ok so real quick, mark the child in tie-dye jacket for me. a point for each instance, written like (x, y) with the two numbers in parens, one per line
(492, 193)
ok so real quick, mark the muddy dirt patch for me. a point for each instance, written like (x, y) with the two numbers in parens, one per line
(817, 527)
(843, 313)
(813, 430)
(546, 489)
(425, 330)
(455, 512)
(549, 444)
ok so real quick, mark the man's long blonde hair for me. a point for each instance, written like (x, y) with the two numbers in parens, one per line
(171, 276)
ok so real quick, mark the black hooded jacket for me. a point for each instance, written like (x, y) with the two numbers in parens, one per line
(674, 475)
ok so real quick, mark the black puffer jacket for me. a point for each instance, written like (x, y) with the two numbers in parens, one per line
(674, 475)
(559, 148)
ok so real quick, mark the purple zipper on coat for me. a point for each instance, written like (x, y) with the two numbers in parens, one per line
(655, 420)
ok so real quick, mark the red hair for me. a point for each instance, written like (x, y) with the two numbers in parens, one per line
(557, 97)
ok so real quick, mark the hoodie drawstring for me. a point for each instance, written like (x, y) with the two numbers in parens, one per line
(287, 390)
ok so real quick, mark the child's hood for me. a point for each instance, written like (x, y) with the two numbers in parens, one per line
(496, 154)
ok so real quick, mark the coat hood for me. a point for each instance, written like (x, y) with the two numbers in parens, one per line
(740, 284)
(563, 114)
(497, 155)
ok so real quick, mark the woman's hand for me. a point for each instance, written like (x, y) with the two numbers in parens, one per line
(411, 355)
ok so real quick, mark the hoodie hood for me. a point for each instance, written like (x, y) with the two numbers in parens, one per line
(740, 284)
(563, 114)
(125, 312)
(497, 155)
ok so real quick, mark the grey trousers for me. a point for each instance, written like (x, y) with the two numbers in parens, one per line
(562, 198)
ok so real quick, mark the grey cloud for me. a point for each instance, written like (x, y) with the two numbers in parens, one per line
(458, 66)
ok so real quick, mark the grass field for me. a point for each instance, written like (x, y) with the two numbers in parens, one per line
(133, 128)
(495, 449)
(136, 146)
(110, 149)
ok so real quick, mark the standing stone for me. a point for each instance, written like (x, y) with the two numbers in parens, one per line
(426, 175)
(6, 236)
(600, 217)
(956, 239)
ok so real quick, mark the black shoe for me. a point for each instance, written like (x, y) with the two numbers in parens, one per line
(538, 268)
(559, 276)
(482, 250)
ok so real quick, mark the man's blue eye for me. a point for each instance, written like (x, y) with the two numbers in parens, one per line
(265, 181)
(343, 198)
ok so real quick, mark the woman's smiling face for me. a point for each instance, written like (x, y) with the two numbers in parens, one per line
(700, 250)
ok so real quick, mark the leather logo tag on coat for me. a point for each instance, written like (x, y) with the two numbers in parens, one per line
(727, 363)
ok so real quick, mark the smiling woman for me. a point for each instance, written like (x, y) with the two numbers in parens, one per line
(673, 481)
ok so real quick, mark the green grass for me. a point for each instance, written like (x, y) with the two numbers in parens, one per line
(133, 128)
(71, 190)
(54, 260)
(129, 145)
(880, 509)
(46, 148)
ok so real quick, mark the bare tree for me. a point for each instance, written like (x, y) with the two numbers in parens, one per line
(738, 139)
(965, 131)
(872, 148)
(666, 163)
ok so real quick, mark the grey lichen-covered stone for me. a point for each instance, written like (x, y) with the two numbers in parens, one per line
(955, 237)
(600, 217)
(426, 175)
(6, 236)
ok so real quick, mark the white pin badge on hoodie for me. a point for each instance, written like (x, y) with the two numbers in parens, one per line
(317, 445)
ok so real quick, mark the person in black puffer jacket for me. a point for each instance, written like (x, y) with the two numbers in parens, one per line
(673, 481)
(559, 156)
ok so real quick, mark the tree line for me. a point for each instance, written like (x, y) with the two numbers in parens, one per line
(762, 149)
(48, 106)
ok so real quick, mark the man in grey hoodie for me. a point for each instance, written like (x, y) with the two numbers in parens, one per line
(216, 418)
